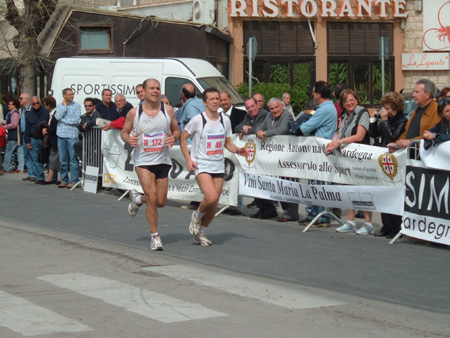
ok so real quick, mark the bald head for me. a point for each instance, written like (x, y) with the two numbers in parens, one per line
(24, 99)
(188, 91)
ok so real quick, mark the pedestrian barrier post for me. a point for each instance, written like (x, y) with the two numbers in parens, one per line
(413, 153)
(92, 151)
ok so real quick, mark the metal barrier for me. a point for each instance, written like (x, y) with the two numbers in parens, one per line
(92, 150)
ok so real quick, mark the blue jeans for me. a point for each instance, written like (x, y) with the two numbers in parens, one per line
(34, 152)
(240, 203)
(28, 161)
(68, 159)
(10, 147)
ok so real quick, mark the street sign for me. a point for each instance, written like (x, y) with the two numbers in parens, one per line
(252, 48)
(383, 47)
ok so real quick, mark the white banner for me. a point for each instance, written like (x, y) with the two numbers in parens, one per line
(370, 198)
(118, 172)
(436, 157)
(427, 204)
(304, 157)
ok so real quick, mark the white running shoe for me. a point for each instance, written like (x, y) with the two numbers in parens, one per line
(194, 226)
(365, 230)
(133, 208)
(156, 244)
(347, 227)
(202, 240)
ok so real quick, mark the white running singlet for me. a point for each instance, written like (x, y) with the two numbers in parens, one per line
(151, 131)
(208, 141)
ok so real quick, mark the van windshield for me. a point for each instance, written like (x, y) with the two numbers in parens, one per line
(222, 84)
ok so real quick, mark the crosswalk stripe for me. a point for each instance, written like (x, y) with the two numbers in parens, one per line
(28, 319)
(282, 296)
(150, 304)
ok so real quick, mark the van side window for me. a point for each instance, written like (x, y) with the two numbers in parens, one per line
(173, 89)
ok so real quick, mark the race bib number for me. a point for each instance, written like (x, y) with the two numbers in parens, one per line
(215, 144)
(153, 143)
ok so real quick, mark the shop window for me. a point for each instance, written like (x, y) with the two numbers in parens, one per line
(280, 38)
(364, 76)
(95, 39)
(353, 58)
(346, 38)
(302, 75)
(279, 73)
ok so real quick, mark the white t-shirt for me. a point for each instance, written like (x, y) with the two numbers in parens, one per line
(208, 141)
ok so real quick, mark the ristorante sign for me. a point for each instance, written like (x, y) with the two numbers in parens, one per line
(323, 8)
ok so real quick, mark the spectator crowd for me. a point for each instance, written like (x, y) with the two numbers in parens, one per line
(41, 138)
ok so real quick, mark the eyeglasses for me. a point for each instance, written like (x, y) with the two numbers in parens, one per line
(35, 103)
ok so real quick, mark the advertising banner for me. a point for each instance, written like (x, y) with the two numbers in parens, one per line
(436, 157)
(304, 157)
(369, 198)
(118, 172)
(427, 204)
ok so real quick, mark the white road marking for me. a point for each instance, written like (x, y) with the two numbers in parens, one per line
(28, 319)
(146, 303)
(282, 296)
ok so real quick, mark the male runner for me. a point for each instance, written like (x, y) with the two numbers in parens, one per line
(210, 132)
(155, 131)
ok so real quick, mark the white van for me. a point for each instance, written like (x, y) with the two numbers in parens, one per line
(88, 76)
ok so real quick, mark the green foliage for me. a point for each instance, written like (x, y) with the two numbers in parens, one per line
(299, 94)
(337, 73)
(378, 82)
(279, 73)
(302, 75)
(362, 92)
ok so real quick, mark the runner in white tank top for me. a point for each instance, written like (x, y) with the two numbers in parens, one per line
(151, 132)
(155, 131)
(210, 132)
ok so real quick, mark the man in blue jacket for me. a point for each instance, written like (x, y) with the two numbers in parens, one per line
(324, 123)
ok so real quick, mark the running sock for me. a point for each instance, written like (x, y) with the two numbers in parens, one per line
(352, 223)
(155, 235)
(137, 200)
(198, 214)
(202, 229)
(368, 224)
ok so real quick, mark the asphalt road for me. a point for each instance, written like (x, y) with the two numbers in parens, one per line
(407, 273)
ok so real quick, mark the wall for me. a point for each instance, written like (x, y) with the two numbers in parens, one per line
(414, 44)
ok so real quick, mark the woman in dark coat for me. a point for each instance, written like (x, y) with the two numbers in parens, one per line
(52, 139)
(386, 128)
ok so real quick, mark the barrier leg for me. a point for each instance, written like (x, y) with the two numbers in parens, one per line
(221, 210)
(126, 193)
(326, 211)
(76, 185)
(396, 237)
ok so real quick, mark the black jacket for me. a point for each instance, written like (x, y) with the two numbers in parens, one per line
(385, 132)
(88, 120)
(248, 122)
(32, 120)
(236, 117)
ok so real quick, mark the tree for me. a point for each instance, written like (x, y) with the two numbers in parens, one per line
(29, 21)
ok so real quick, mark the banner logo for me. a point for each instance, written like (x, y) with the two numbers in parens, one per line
(388, 164)
(251, 149)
